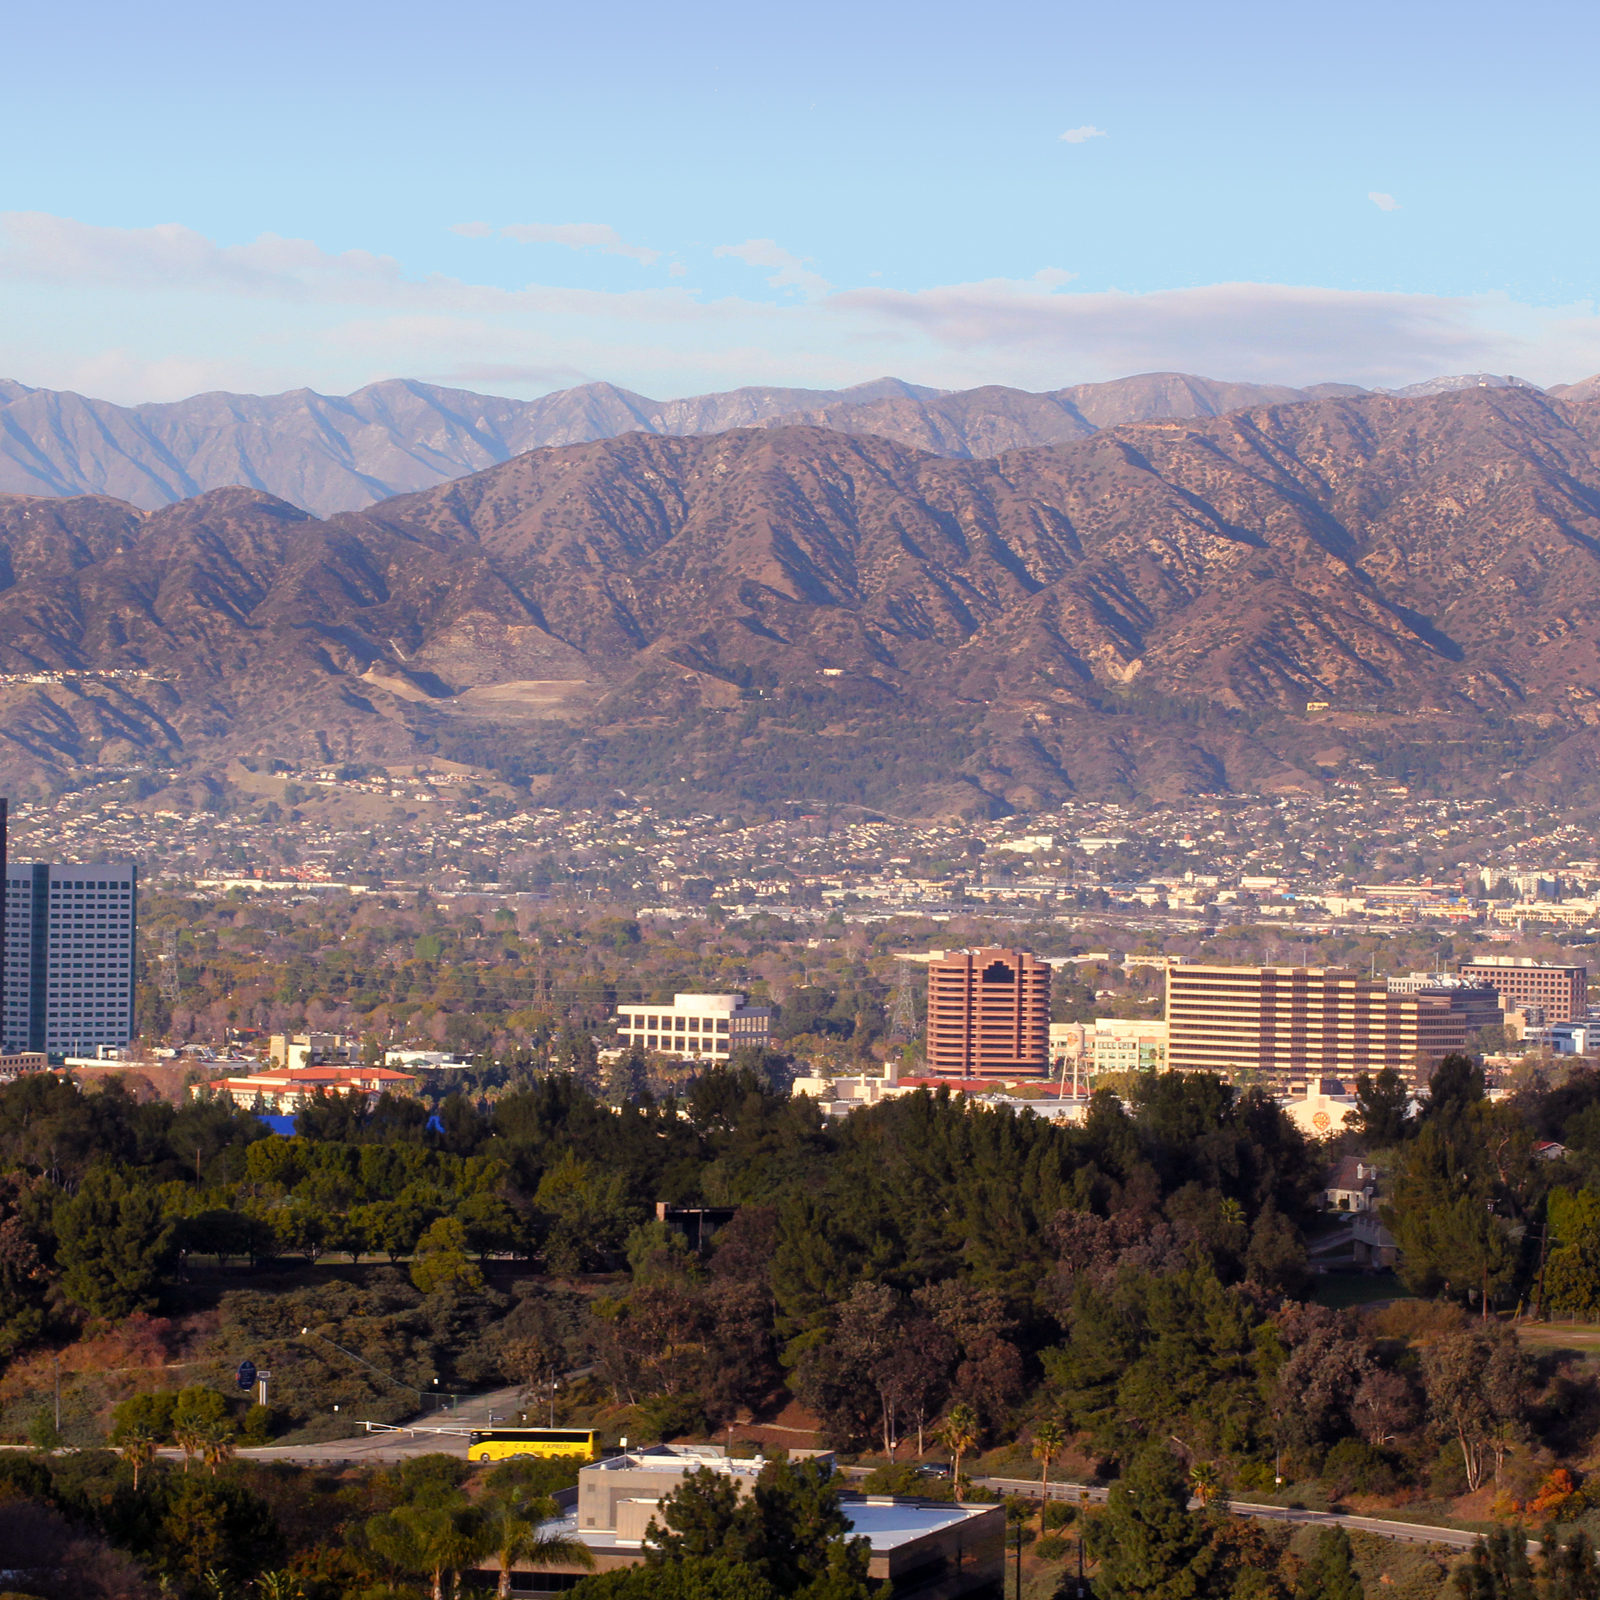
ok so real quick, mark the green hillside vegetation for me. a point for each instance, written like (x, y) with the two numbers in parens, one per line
(922, 1278)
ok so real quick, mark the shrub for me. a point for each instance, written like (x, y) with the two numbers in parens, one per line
(900, 1478)
(1447, 1473)
(1256, 1475)
(151, 1413)
(260, 1423)
(1052, 1547)
(1355, 1465)
(669, 1416)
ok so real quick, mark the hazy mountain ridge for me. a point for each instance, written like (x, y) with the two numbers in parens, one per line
(341, 453)
(776, 609)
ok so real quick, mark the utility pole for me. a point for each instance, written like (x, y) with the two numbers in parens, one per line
(1544, 1244)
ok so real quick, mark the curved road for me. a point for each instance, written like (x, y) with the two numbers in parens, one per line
(1407, 1532)
(419, 1438)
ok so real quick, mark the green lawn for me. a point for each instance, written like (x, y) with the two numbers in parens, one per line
(1341, 1290)
(1583, 1338)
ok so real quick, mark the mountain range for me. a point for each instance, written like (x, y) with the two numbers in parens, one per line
(329, 454)
(1264, 599)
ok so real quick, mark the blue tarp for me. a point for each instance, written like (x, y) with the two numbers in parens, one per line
(279, 1124)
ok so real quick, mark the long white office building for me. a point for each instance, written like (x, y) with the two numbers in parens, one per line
(69, 945)
(697, 1027)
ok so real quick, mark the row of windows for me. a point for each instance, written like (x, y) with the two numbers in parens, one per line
(668, 1041)
(679, 1024)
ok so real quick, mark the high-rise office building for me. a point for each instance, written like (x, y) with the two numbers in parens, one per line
(988, 1014)
(1293, 1026)
(68, 956)
(1561, 993)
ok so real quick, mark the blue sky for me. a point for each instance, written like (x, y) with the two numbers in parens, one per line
(677, 199)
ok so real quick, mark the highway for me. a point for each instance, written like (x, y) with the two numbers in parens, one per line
(1407, 1532)
(443, 1431)
(418, 1438)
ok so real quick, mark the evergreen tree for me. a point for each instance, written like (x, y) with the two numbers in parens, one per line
(1571, 1571)
(1149, 1545)
(788, 1533)
(1331, 1573)
(1498, 1569)
(1382, 1104)
(112, 1243)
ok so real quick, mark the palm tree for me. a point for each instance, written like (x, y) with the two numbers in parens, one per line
(1049, 1439)
(216, 1444)
(959, 1433)
(138, 1448)
(189, 1436)
(515, 1528)
(1206, 1481)
(280, 1585)
(434, 1541)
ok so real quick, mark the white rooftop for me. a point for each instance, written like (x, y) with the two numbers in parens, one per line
(888, 1523)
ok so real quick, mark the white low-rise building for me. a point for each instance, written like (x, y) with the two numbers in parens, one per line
(931, 1549)
(1323, 1108)
(1129, 1044)
(695, 1027)
(424, 1060)
(838, 1097)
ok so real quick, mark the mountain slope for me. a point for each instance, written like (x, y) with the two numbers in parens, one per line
(329, 454)
(791, 611)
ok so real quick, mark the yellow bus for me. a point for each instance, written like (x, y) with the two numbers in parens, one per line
(502, 1444)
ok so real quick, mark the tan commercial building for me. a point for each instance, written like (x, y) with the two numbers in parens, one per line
(1132, 1044)
(297, 1050)
(696, 1027)
(923, 1550)
(988, 1014)
(1561, 993)
(1293, 1026)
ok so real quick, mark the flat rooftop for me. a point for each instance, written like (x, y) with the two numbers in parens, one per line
(891, 1523)
(886, 1524)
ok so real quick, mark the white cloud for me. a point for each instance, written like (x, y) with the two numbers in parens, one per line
(145, 313)
(1384, 202)
(791, 272)
(580, 236)
(1084, 134)
(1260, 331)
(472, 230)
(36, 247)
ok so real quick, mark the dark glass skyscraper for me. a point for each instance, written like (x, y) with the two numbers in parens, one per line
(69, 942)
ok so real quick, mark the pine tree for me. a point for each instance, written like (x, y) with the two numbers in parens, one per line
(1499, 1568)
(1331, 1573)
(1150, 1546)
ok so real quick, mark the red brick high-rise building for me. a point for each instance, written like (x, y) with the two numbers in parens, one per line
(988, 1014)
(1561, 993)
